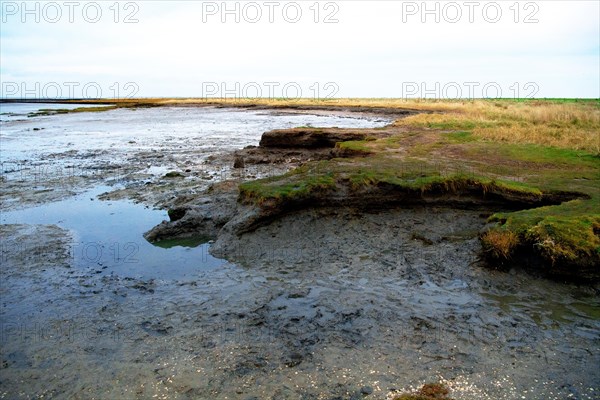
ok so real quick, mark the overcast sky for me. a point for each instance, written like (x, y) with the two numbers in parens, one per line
(303, 48)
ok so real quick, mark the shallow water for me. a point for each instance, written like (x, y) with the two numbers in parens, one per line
(107, 237)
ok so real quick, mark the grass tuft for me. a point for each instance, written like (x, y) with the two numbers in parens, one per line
(500, 243)
(429, 391)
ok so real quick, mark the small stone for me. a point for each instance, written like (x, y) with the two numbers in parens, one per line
(366, 390)
(173, 174)
(293, 360)
(239, 162)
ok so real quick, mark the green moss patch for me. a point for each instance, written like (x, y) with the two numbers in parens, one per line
(317, 179)
(567, 235)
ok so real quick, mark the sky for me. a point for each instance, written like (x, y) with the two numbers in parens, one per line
(310, 49)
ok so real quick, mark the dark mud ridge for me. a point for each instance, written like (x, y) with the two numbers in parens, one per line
(225, 214)
(299, 145)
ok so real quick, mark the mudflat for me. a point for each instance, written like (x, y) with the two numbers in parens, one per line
(409, 246)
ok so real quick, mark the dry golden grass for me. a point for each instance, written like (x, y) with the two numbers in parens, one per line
(415, 104)
(563, 125)
(570, 138)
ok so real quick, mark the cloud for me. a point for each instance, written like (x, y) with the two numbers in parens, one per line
(374, 47)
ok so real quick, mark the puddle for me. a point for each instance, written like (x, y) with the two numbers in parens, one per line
(107, 237)
(545, 311)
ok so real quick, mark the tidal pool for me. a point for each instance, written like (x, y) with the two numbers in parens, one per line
(107, 237)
